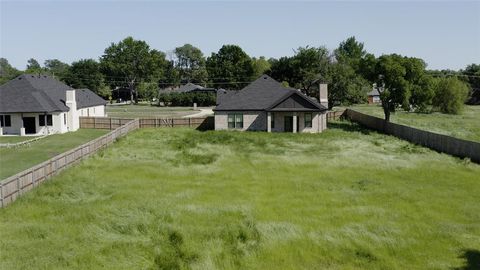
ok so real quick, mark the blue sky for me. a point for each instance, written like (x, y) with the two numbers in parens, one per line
(446, 34)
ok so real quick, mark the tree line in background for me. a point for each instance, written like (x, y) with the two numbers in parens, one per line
(351, 72)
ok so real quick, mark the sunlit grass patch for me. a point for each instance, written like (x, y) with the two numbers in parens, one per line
(347, 198)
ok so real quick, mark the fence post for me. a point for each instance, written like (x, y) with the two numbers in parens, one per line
(1, 194)
(189, 122)
(110, 123)
(94, 122)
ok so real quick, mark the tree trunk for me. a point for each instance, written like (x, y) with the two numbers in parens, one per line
(386, 111)
(131, 94)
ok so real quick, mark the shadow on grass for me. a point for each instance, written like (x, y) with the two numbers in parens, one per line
(349, 126)
(472, 260)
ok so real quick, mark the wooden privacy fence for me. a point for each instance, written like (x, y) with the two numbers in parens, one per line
(16, 185)
(204, 123)
(438, 142)
(331, 116)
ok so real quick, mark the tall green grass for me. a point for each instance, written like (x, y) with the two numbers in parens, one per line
(465, 125)
(182, 199)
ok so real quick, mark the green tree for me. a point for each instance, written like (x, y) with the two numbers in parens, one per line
(7, 71)
(86, 73)
(345, 86)
(260, 66)
(450, 95)
(350, 52)
(230, 68)
(391, 83)
(310, 65)
(282, 70)
(33, 66)
(472, 75)
(56, 68)
(132, 61)
(190, 64)
(147, 91)
(419, 83)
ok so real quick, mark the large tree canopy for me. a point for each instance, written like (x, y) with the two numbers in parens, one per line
(304, 70)
(190, 64)
(86, 73)
(350, 52)
(230, 68)
(56, 68)
(7, 72)
(130, 62)
(403, 81)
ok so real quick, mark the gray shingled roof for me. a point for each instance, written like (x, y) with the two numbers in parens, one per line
(374, 92)
(261, 94)
(189, 87)
(41, 93)
(86, 98)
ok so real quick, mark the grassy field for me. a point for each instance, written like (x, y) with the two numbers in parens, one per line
(15, 139)
(14, 160)
(464, 126)
(183, 199)
(126, 111)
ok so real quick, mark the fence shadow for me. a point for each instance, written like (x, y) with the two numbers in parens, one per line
(349, 126)
(472, 260)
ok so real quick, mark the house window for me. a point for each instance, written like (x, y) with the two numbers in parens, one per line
(308, 120)
(5, 121)
(272, 120)
(235, 120)
(41, 120)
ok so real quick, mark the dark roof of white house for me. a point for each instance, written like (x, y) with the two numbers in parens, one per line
(374, 92)
(42, 93)
(189, 87)
(262, 94)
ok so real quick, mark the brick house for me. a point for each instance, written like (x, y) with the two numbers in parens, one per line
(266, 105)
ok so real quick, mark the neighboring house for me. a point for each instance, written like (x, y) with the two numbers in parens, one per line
(266, 105)
(39, 104)
(188, 88)
(374, 96)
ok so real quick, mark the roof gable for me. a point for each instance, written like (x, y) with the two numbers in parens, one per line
(294, 102)
(262, 94)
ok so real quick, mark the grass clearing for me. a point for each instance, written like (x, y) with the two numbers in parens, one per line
(177, 198)
(138, 111)
(465, 125)
(14, 160)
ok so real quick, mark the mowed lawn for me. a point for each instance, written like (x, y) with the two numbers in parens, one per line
(183, 199)
(465, 125)
(16, 159)
(15, 139)
(139, 111)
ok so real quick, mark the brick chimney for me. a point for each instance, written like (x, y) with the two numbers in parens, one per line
(323, 96)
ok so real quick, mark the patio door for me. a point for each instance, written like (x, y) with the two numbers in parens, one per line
(288, 124)
(29, 125)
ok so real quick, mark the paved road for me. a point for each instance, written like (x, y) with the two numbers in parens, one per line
(202, 113)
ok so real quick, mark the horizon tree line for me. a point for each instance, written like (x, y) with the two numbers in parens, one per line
(403, 82)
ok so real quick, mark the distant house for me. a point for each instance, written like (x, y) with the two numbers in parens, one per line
(266, 105)
(39, 104)
(374, 96)
(188, 88)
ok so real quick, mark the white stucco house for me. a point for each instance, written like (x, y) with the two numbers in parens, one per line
(41, 105)
(266, 105)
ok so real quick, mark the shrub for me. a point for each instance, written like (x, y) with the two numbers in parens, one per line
(450, 95)
(187, 99)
